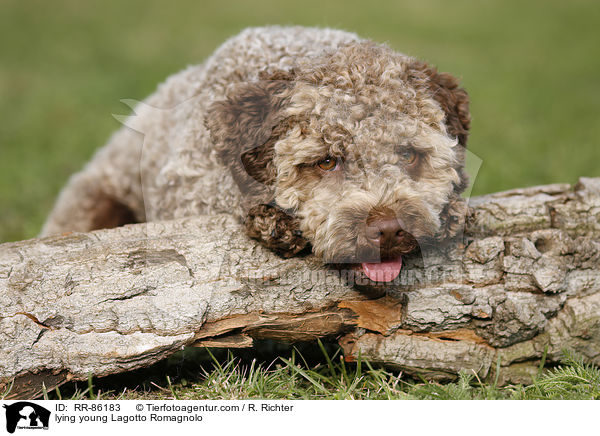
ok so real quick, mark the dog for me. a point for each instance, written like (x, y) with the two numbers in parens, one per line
(315, 139)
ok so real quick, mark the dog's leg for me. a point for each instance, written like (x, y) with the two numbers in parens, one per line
(106, 193)
(453, 219)
(275, 229)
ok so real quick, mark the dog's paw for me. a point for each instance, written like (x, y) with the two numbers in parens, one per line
(453, 219)
(275, 229)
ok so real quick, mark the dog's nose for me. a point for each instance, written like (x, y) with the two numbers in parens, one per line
(386, 231)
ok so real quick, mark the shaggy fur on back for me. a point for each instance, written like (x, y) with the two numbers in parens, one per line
(310, 136)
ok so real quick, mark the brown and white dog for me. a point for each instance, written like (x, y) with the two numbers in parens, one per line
(312, 137)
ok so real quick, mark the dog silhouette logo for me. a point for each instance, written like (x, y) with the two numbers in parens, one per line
(26, 415)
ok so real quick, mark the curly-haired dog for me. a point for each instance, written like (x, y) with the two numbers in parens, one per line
(312, 137)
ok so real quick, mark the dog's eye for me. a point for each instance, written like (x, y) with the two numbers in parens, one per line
(408, 156)
(328, 164)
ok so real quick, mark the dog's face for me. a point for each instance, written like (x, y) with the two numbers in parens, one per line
(360, 153)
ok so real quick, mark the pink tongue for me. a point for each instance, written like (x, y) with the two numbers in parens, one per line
(384, 271)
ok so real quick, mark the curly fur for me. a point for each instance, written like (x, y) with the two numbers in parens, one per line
(243, 134)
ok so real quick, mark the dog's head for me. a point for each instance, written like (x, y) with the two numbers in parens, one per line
(359, 152)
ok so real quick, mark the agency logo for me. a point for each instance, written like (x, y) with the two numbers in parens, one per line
(26, 415)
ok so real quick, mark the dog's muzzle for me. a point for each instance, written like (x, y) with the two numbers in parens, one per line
(388, 240)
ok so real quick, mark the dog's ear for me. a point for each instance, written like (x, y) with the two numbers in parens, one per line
(244, 128)
(241, 129)
(453, 99)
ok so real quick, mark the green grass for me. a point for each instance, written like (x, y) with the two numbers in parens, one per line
(531, 69)
(233, 378)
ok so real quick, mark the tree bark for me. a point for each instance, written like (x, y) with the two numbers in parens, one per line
(523, 281)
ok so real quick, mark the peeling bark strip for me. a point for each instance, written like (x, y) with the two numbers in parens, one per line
(525, 280)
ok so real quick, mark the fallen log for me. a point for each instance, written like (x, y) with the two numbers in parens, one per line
(523, 282)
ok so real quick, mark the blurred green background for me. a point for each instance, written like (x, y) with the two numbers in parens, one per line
(532, 69)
